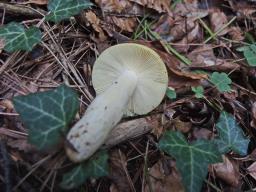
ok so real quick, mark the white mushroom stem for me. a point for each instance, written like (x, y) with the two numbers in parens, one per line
(106, 110)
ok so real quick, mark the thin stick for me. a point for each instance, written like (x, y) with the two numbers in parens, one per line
(20, 10)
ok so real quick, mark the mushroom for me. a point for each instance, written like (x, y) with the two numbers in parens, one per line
(128, 79)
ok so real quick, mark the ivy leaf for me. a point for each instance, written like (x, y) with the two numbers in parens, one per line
(96, 166)
(249, 53)
(231, 136)
(47, 114)
(18, 38)
(63, 9)
(199, 91)
(221, 81)
(74, 178)
(170, 92)
(192, 160)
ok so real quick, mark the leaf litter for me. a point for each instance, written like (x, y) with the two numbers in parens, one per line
(217, 37)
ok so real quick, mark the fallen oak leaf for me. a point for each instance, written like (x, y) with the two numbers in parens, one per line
(228, 171)
(159, 5)
(162, 180)
(124, 24)
(95, 22)
(218, 20)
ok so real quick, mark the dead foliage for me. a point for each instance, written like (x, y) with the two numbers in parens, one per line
(207, 33)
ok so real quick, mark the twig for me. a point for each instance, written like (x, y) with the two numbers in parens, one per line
(20, 10)
(131, 129)
(6, 166)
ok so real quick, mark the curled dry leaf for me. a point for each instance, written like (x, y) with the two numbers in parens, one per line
(159, 5)
(164, 177)
(113, 5)
(163, 27)
(228, 171)
(236, 33)
(123, 23)
(181, 28)
(203, 58)
(242, 9)
(218, 20)
(95, 22)
(193, 36)
(120, 6)
(182, 126)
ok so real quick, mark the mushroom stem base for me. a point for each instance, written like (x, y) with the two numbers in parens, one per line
(106, 110)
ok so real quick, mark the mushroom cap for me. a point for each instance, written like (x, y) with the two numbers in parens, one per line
(145, 62)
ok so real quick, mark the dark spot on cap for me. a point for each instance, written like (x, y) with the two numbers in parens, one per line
(75, 135)
(80, 126)
(87, 143)
(105, 107)
(115, 82)
(84, 131)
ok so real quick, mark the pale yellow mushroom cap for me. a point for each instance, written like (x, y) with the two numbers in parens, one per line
(145, 62)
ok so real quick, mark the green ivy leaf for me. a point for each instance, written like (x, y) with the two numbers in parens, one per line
(18, 38)
(199, 91)
(170, 92)
(249, 53)
(63, 9)
(231, 136)
(47, 114)
(192, 160)
(221, 81)
(96, 166)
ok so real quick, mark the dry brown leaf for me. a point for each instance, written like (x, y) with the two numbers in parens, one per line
(252, 170)
(159, 5)
(253, 121)
(113, 5)
(182, 126)
(236, 34)
(7, 105)
(163, 27)
(228, 171)
(218, 20)
(95, 22)
(181, 29)
(120, 6)
(202, 133)
(192, 37)
(124, 24)
(190, 9)
(118, 171)
(162, 180)
(202, 56)
(21, 144)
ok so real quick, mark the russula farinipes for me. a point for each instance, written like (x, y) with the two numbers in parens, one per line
(128, 78)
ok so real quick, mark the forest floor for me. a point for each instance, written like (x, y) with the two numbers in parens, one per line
(209, 50)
